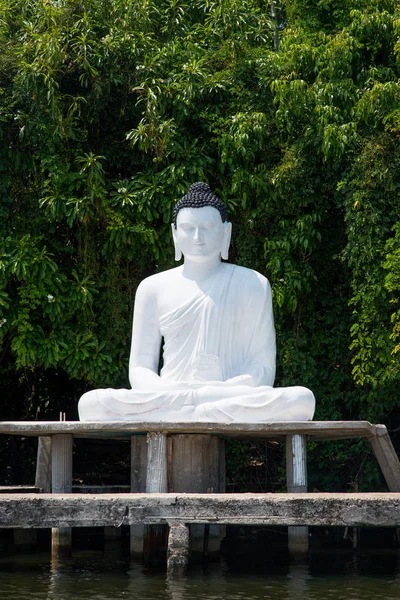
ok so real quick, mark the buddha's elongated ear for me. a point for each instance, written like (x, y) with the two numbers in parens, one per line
(178, 252)
(226, 241)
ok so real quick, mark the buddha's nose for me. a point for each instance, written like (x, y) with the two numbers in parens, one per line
(197, 234)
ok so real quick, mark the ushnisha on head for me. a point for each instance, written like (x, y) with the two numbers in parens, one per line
(200, 227)
(198, 196)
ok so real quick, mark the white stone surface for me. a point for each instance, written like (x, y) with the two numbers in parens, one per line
(217, 323)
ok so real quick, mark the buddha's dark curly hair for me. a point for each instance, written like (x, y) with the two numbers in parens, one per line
(200, 195)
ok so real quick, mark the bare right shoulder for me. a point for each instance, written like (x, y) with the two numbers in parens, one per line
(155, 284)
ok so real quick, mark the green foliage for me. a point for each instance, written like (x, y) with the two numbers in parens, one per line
(109, 111)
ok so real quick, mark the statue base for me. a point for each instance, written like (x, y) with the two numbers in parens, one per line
(195, 464)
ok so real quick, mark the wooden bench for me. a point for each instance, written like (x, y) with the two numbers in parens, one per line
(151, 438)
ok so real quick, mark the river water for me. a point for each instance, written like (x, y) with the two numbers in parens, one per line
(95, 576)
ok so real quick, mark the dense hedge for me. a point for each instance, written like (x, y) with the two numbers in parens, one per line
(110, 110)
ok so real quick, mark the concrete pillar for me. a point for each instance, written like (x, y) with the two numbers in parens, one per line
(178, 549)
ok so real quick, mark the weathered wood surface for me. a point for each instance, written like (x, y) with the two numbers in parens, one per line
(296, 464)
(138, 463)
(156, 482)
(138, 484)
(43, 464)
(19, 489)
(61, 470)
(77, 510)
(196, 465)
(101, 489)
(156, 476)
(296, 479)
(325, 430)
(61, 483)
(387, 458)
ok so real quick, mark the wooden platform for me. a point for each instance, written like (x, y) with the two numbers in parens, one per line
(314, 430)
(77, 510)
(289, 431)
(152, 464)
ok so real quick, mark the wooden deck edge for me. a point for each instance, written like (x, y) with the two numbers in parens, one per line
(20, 489)
(76, 510)
(316, 429)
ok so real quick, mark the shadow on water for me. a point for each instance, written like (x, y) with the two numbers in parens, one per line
(329, 575)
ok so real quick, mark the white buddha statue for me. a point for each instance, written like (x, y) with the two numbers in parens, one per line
(217, 323)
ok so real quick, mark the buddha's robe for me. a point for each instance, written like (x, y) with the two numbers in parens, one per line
(224, 331)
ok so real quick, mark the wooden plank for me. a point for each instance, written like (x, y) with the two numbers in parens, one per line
(138, 485)
(387, 458)
(296, 464)
(43, 464)
(77, 510)
(61, 483)
(19, 489)
(296, 479)
(195, 463)
(101, 489)
(138, 463)
(156, 482)
(156, 477)
(61, 467)
(320, 429)
(195, 466)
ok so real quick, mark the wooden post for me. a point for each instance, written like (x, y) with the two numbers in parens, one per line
(156, 482)
(388, 461)
(61, 470)
(156, 477)
(387, 458)
(138, 485)
(196, 464)
(296, 478)
(27, 538)
(178, 549)
(43, 464)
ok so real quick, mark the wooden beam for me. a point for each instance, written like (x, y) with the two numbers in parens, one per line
(315, 429)
(387, 458)
(21, 489)
(81, 510)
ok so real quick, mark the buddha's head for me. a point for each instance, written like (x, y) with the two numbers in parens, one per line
(200, 227)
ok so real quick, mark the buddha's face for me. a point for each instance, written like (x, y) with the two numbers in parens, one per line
(200, 233)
